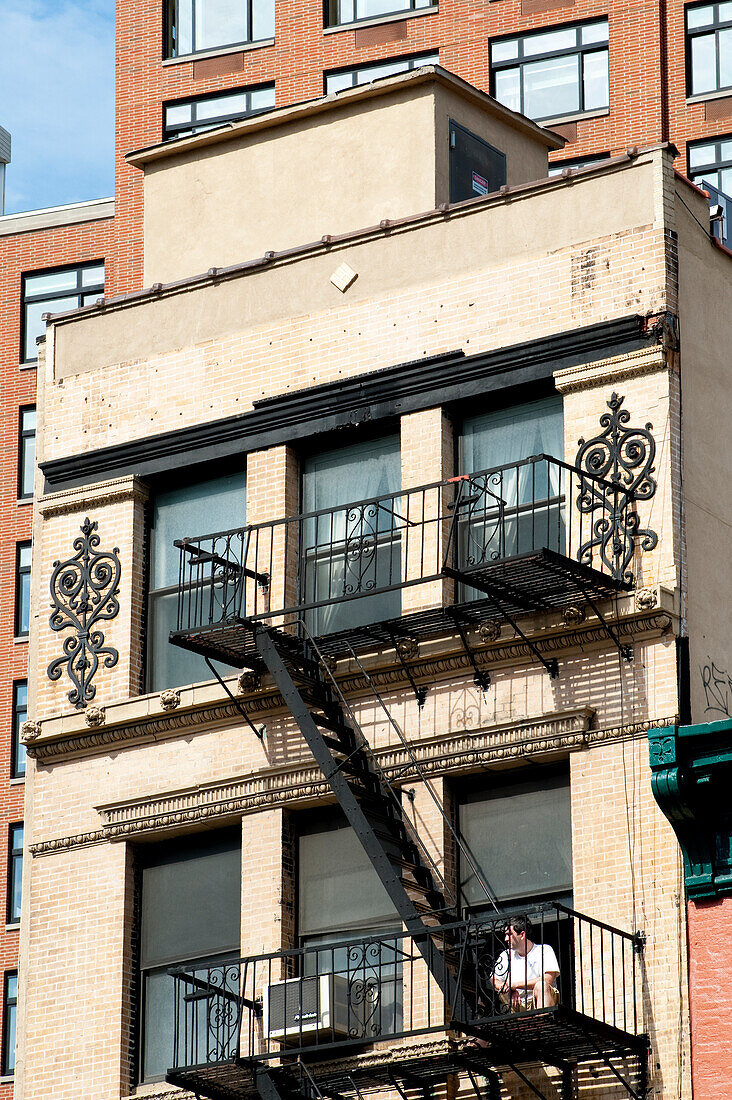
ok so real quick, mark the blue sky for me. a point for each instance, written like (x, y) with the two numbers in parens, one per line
(57, 100)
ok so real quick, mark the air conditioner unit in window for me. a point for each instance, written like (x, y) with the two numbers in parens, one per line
(302, 1010)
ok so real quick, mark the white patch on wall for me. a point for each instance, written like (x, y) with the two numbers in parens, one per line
(343, 277)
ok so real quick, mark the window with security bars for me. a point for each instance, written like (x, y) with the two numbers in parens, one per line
(55, 291)
(555, 73)
(353, 11)
(341, 898)
(20, 714)
(184, 511)
(26, 451)
(365, 74)
(194, 26)
(193, 116)
(190, 918)
(351, 545)
(708, 48)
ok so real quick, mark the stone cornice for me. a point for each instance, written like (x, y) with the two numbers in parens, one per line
(86, 497)
(302, 782)
(138, 723)
(610, 371)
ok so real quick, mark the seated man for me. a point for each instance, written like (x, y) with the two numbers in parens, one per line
(526, 973)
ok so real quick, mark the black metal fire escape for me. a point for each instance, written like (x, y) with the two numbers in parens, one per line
(222, 613)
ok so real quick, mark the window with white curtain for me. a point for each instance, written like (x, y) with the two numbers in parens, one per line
(351, 551)
(187, 511)
(521, 505)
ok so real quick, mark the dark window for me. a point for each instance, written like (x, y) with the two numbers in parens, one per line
(190, 913)
(476, 168)
(22, 589)
(53, 292)
(552, 74)
(20, 713)
(201, 508)
(15, 872)
(557, 166)
(351, 11)
(26, 451)
(365, 74)
(191, 116)
(10, 1017)
(198, 25)
(350, 550)
(708, 48)
(519, 833)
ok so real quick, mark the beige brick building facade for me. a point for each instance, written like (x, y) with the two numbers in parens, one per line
(592, 291)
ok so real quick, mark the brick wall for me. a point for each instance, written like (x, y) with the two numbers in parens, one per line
(711, 1013)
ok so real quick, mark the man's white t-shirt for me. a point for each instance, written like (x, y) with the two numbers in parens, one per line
(526, 969)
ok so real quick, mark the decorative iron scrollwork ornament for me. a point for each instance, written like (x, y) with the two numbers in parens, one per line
(84, 591)
(624, 457)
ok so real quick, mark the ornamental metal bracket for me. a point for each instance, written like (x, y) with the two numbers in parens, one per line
(84, 592)
(624, 457)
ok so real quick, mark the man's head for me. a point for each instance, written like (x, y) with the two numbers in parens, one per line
(519, 935)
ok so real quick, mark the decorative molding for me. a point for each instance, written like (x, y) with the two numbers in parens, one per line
(267, 700)
(170, 699)
(623, 457)
(406, 387)
(84, 592)
(646, 598)
(489, 632)
(303, 782)
(613, 371)
(29, 731)
(95, 716)
(85, 498)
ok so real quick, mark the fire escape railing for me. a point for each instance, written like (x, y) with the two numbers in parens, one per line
(314, 564)
(331, 997)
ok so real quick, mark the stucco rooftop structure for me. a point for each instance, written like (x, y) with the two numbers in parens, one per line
(439, 494)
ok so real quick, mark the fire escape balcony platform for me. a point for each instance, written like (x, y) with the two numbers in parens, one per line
(540, 581)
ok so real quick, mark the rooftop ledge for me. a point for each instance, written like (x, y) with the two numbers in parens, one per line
(385, 227)
(51, 216)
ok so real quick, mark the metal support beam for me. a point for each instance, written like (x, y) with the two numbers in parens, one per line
(420, 693)
(551, 666)
(258, 732)
(481, 678)
(626, 651)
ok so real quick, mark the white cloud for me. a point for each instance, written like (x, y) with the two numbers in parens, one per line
(57, 100)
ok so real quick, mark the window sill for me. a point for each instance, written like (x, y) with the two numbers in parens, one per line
(24, 500)
(12, 927)
(17, 781)
(7, 1079)
(20, 639)
(704, 97)
(562, 120)
(186, 58)
(397, 17)
(29, 364)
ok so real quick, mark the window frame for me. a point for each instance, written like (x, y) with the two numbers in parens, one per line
(429, 57)
(579, 50)
(14, 869)
(172, 20)
(10, 1007)
(21, 572)
(17, 744)
(710, 29)
(80, 291)
(718, 165)
(24, 434)
(407, 8)
(170, 132)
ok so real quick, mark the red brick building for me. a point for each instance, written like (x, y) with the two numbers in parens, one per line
(606, 75)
